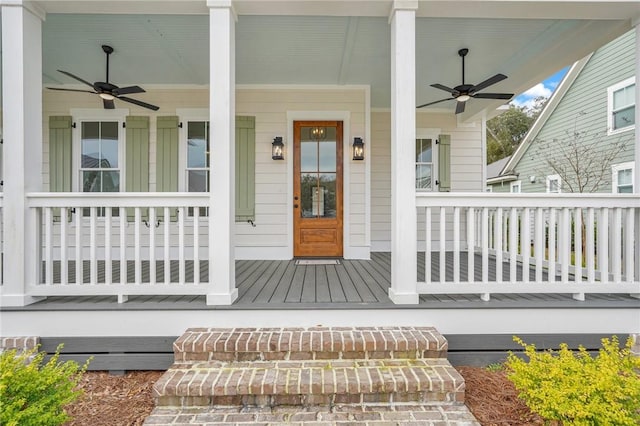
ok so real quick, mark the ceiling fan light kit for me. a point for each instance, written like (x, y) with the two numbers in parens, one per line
(464, 92)
(108, 91)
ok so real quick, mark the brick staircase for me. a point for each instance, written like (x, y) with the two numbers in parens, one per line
(329, 375)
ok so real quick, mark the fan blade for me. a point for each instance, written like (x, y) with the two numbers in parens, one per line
(108, 104)
(71, 90)
(493, 95)
(460, 107)
(128, 90)
(139, 103)
(445, 88)
(76, 78)
(488, 82)
(436, 102)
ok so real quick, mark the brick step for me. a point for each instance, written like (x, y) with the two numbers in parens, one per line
(265, 344)
(452, 415)
(310, 383)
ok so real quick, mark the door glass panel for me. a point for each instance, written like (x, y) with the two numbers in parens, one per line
(198, 180)
(318, 167)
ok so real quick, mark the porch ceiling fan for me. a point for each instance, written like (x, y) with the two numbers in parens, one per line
(108, 91)
(463, 92)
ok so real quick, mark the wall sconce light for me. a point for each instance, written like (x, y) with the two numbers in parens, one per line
(358, 149)
(277, 149)
(532, 179)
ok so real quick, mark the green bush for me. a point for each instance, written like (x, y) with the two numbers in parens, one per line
(34, 393)
(575, 388)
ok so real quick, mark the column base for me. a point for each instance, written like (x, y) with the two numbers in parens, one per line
(222, 298)
(404, 298)
(17, 300)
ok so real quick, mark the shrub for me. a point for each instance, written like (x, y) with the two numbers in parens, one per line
(575, 388)
(34, 393)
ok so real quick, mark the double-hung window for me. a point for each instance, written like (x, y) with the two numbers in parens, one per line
(425, 162)
(516, 186)
(622, 178)
(554, 184)
(100, 165)
(197, 170)
(621, 106)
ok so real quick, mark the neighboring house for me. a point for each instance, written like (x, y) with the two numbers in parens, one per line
(254, 161)
(596, 99)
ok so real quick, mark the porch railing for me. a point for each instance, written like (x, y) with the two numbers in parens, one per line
(529, 243)
(120, 243)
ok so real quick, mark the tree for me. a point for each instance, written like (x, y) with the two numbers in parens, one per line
(506, 131)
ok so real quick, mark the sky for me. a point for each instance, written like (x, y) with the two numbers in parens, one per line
(544, 88)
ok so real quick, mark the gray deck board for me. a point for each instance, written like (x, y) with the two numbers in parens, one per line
(358, 284)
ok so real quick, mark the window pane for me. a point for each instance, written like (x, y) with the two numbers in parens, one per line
(109, 153)
(624, 118)
(197, 146)
(423, 176)
(327, 156)
(90, 153)
(91, 181)
(308, 156)
(627, 189)
(109, 130)
(197, 180)
(624, 177)
(308, 188)
(624, 97)
(110, 181)
(90, 130)
(553, 185)
(515, 188)
(423, 151)
(326, 202)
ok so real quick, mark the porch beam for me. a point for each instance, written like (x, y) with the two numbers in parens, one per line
(403, 134)
(22, 136)
(222, 153)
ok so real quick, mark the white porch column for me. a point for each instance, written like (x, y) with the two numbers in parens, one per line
(22, 134)
(222, 107)
(403, 134)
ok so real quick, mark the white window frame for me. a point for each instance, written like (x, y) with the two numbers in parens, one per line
(551, 178)
(433, 135)
(514, 184)
(614, 174)
(83, 115)
(610, 91)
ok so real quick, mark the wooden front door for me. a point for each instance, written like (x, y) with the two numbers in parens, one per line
(317, 191)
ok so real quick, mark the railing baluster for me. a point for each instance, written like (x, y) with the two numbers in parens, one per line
(590, 246)
(526, 244)
(513, 245)
(616, 249)
(485, 251)
(64, 249)
(443, 244)
(539, 243)
(565, 244)
(123, 245)
(628, 254)
(152, 246)
(167, 246)
(553, 225)
(497, 239)
(577, 251)
(603, 244)
(427, 245)
(137, 261)
(196, 245)
(456, 244)
(108, 264)
(181, 263)
(93, 260)
(471, 220)
(48, 244)
(78, 258)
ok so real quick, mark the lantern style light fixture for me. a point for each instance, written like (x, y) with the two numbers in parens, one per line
(358, 149)
(277, 148)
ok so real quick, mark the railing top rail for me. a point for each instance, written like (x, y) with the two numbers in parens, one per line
(484, 199)
(118, 199)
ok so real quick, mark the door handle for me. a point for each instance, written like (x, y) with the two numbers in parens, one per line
(295, 206)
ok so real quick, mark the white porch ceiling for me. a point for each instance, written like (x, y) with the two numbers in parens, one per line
(173, 50)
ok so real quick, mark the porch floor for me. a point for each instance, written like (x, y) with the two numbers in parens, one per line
(352, 284)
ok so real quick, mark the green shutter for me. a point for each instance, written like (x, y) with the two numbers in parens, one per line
(60, 156)
(245, 168)
(60, 167)
(137, 158)
(444, 163)
(167, 159)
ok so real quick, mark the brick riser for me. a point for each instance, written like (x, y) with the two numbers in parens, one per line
(309, 344)
(310, 383)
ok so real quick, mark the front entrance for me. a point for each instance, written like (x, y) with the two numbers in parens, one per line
(317, 191)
